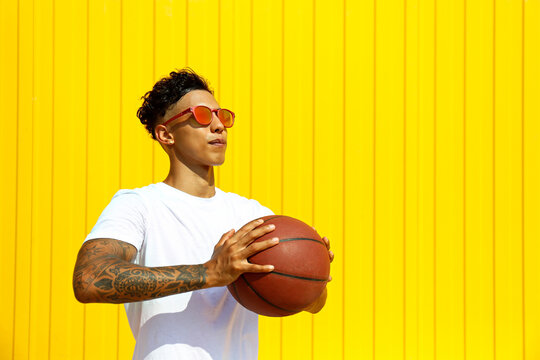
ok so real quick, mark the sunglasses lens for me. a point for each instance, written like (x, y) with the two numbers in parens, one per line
(203, 115)
(226, 117)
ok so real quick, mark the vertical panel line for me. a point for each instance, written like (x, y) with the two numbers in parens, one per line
(30, 266)
(374, 169)
(494, 108)
(418, 174)
(523, 175)
(344, 181)
(17, 112)
(464, 179)
(53, 100)
(404, 179)
(435, 179)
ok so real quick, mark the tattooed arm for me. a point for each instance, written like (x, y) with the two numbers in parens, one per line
(104, 271)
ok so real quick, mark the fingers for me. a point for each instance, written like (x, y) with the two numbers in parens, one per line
(225, 237)
(260, 246)
(255, 248)
(248, 227)
(256, 233)
(326, 242)
(330, 253)
(254, 268)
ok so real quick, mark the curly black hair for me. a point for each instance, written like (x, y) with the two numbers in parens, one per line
(165, 93)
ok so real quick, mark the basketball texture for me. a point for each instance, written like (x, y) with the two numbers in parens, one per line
(301, 270)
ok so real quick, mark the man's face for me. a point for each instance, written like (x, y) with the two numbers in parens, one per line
(195, 144)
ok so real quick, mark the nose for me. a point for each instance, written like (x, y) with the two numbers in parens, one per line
(216, 126)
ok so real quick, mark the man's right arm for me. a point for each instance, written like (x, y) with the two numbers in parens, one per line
(104, 271)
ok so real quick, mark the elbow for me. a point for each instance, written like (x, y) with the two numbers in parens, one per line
(82, 299)
(80, 289)
(81, 294)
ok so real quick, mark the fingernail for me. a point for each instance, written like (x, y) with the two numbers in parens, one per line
(271, 226)
(275, 240)
(260, 221)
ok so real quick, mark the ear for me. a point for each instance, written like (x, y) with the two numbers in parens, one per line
(163, 135)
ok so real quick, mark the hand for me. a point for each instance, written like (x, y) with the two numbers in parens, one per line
(318, 304)
(229, 259)
(330, 253)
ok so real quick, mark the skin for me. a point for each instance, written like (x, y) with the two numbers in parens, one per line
(104, 271)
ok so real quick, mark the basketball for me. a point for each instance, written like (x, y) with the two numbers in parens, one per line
(301, 270)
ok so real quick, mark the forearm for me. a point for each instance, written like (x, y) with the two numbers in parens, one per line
(104, 271)
(117, 281)
(318, 304)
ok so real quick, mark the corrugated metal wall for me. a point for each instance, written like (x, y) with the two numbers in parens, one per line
(408, 132)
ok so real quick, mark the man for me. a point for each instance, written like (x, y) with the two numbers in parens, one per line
(152, 247)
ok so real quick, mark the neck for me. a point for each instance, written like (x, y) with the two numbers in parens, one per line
(197, 181)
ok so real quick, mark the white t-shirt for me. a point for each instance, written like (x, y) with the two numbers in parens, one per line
(170, 227)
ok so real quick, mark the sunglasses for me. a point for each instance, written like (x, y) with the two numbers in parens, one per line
(203, 115)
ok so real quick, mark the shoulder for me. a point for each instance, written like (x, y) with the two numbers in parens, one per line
(232, 197)
(124, 218)
(128, 197)
(136, 200)
(139, 195)
(244, 203)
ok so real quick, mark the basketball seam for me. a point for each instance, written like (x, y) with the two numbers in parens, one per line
(297, 277)
(309, 239)
(237, 297)
(264, 299)
(273, 217)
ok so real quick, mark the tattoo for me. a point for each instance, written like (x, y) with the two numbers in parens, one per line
(104, 273)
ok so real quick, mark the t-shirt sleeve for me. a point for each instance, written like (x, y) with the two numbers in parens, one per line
(123, 219)
(259, 210)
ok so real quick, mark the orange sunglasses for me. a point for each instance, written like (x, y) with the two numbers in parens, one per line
(203, 115)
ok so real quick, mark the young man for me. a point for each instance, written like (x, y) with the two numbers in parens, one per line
(153, 246)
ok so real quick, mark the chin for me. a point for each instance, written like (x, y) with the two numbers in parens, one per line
(216, 161)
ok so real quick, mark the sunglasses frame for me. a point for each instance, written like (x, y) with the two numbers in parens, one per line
(192, 110)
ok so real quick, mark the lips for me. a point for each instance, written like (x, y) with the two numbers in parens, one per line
(217, 142)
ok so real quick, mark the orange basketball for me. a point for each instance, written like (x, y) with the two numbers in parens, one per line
(301, 270)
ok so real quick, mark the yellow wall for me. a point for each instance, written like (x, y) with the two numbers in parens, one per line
(408, 132)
